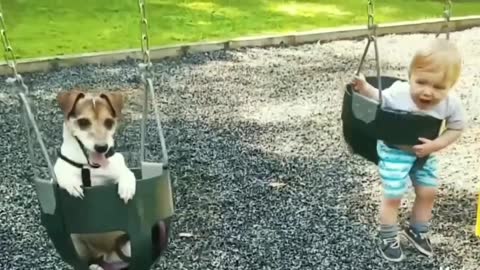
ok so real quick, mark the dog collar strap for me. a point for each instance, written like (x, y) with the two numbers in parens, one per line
(85, 172)
(71, 162)
(110, 152)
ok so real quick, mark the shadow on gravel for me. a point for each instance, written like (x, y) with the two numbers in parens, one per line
(226, 199)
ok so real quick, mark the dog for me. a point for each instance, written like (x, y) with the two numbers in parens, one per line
(86, 157)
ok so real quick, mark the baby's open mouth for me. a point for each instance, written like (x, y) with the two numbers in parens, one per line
(425, 101)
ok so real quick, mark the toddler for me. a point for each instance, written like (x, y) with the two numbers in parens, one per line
(433, 72)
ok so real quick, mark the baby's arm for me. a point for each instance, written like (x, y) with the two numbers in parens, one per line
(455, 124)
(447, 138)
(364, 88)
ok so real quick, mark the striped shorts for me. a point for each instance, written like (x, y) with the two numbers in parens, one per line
(395, 171)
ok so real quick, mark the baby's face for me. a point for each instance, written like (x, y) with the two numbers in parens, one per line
(428, 88)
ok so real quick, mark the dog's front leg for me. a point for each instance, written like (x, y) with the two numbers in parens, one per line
(68, 179)
(125, 178)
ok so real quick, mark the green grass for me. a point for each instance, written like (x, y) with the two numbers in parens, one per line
(55, 27)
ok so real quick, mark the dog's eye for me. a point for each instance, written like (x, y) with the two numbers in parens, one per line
(109, 123)
(83, 123)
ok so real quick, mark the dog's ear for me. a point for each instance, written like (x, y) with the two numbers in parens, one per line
(68, 99)
(115, 100)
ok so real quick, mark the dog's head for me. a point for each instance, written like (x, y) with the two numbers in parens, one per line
(92, 118)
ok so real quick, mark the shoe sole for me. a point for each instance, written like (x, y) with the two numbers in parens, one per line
(402, 257)
(417, 246)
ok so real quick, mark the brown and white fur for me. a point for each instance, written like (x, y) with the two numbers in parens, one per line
(93, 120)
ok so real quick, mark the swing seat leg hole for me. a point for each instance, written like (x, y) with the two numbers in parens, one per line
(160, 237)
(107, 251)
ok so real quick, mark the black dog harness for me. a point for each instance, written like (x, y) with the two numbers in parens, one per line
(85, 168)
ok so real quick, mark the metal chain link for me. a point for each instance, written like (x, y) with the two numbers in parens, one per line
(372, 38)
(147, 79)
(447, 14)
(21, 89)
(144, 40)
(371, 15)
(8, 54)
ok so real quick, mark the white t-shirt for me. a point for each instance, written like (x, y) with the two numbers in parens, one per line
(450, 109)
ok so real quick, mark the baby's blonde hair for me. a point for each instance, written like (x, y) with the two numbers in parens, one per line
(440, 56)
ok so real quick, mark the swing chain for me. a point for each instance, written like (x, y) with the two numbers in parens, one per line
(146, 72)
(144, 40)
(447, 14)
(371, 16)
(16, 81)
(372, 38)
(9, 54)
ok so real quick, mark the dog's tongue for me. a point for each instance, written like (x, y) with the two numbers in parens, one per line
(96, 158)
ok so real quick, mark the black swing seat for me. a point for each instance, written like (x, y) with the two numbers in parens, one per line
(102, 210)
(364, 122)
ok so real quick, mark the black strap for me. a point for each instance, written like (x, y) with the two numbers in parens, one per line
(86, 180)
(85, 171)
(71, 162)
(85, 168)
(119, 242)
(110, 152)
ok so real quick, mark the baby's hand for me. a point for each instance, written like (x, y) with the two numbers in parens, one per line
(426, 148)
(359, 83)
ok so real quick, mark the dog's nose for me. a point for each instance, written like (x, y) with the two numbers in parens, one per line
(101, 148)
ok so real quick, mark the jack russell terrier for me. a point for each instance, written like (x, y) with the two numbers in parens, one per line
(87, 158)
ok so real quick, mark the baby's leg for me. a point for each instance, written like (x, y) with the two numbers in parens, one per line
(394, 167)
(425, 182)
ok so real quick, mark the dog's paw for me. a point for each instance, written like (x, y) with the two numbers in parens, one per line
(95, 267)
(126, 186)
(73, 187)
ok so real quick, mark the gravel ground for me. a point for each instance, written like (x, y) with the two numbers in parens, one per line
(263, 179)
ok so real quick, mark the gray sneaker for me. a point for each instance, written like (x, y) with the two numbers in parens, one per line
(419, 240)
(390, 249)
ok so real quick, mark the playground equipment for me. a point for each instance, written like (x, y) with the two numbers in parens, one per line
(365, 121)
(146, 218)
